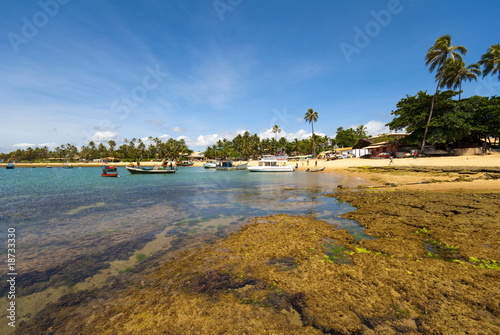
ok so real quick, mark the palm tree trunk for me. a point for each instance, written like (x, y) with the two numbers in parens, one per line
(314, 144)
(429, 118)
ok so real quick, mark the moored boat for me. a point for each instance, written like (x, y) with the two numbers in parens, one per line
(165, 168)
(109, 171)
(67, 166)
(210, 164)
(229, 165)
(10, 166)
(272, 164)
(316, 170)
(187, 163)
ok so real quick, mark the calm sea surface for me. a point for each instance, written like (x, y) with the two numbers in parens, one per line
(61, 216)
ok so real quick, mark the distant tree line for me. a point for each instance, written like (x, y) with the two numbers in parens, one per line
(130, 150)
(243, 146)
(247, 146)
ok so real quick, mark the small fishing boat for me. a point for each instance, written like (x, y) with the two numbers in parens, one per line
(210, 165)
(67, 166)
(109, 171)
(272, 164)
(10, 166)
(316, 170)
(165, 168)
(229, 165)
(187, 163)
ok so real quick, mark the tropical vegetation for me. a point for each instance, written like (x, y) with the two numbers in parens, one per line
(130, 150)
(459, 123)
(311, 116)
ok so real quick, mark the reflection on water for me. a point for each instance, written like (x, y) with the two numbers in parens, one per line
(76, 228)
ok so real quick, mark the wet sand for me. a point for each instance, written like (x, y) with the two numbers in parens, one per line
(431, 267)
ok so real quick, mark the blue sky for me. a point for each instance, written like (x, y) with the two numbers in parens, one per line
(74, 71)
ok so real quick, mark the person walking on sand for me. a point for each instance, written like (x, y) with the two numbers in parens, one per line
(391, 161)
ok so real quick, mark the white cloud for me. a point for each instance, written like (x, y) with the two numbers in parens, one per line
(376, 128)
(203, 141)
(302, 134)
(102, 136)
(24, 145)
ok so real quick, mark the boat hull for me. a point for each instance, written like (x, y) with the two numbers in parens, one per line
(109, 174)
(139, 170)
(316, 170)
(286, 168)
(232, 168)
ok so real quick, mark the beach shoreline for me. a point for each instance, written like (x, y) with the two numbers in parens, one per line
(399, 176)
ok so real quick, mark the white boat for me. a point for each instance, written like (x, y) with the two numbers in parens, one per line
(210, 165)
(272, 164)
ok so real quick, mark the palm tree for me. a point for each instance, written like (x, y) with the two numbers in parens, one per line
(276, 129)
(436, 57)
(454, 72)
(491, 61)
(311, 116)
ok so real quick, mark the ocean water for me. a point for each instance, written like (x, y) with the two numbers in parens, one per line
(72, 223)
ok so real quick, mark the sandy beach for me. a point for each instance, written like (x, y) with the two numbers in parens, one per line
(432, 266)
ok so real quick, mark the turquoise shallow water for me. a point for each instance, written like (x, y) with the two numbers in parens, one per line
(63, 214)
(32, 196)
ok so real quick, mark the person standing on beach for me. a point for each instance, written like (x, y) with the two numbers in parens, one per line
(391, 161)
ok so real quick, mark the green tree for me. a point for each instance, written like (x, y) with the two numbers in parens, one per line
(490, 61)
(346, 137)
(436, 59)
(361, 131)
(462, 122)
(112, 146)
(311, 116)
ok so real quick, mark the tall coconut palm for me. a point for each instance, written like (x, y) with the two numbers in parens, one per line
(436, 57)
(491, 61)
(276, 129)
(455, 71)
(311, 116)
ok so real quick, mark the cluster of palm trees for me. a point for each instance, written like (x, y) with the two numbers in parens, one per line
(311, 116)
(130, 150)
(451, 70)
